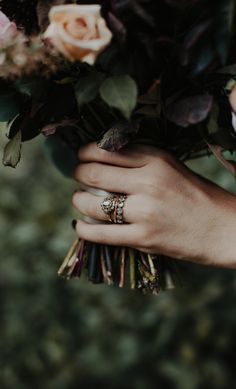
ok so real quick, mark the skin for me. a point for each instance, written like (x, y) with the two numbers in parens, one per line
(169, 210)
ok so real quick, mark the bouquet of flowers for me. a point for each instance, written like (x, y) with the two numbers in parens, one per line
(155, 72)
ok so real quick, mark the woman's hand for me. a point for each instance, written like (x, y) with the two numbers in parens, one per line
(169, 209)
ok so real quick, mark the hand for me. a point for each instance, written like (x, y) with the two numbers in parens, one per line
(169, 209)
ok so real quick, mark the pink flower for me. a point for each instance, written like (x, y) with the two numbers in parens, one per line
(8, 29)
(79, 32)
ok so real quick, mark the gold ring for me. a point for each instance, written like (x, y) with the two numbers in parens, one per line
(108, 206)
(113, 207)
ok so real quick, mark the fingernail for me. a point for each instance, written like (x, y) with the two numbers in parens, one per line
(74, 223)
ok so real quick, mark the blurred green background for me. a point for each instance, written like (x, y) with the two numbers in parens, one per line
(60, 335)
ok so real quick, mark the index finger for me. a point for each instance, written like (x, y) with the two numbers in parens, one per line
(129, 156)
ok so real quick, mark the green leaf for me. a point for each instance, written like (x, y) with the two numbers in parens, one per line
(87, 88)
(9, 105)
(32, 86)
(12, 151)
(120, 92)
(29, 123)
(64, 158)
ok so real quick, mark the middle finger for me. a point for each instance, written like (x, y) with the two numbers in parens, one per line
(110, 178)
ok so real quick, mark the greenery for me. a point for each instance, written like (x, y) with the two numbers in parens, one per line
(64, 335)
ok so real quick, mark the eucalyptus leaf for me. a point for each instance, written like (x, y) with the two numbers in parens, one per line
(190, 111)
(12, 151)
(9, 104)
(32, 87)
(29, 123)
(87, 88)
(61, 154)
(120, 92)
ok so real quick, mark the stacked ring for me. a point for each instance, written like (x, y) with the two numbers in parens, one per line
(119, 209)
(108, 206)
(113, 207)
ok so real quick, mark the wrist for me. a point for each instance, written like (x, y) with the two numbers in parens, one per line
(221, 236)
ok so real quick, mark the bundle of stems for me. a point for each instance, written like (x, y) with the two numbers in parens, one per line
(120, 266)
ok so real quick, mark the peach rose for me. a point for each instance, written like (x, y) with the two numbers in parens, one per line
(78, 31)
(8, 29)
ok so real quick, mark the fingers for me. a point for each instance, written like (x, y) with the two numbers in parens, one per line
(120, 235)
(90, 205)
(109, 178)
(132, 156)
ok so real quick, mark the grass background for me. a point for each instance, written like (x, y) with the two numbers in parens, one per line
(61, 335)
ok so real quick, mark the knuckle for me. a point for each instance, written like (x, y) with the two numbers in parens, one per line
(86, 151)
(77, 200)
(88, 173)
(150, 183)
(144, 237)
(165, 157)
(74, 199)
(81, 232)
(77, 172)
(85, 205)
(146, 212)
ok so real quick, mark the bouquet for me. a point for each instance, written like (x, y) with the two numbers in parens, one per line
(155, 72)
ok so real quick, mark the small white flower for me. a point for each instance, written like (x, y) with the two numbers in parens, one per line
(234, 121)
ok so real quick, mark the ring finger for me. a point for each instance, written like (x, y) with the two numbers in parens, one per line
(90, 205)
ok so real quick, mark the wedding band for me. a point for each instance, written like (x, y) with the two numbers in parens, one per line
(119, 209)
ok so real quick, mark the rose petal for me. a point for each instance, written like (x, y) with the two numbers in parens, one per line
(53, 36)
(94, 44)
(89, 59)
(4, 21)
(94, 10)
